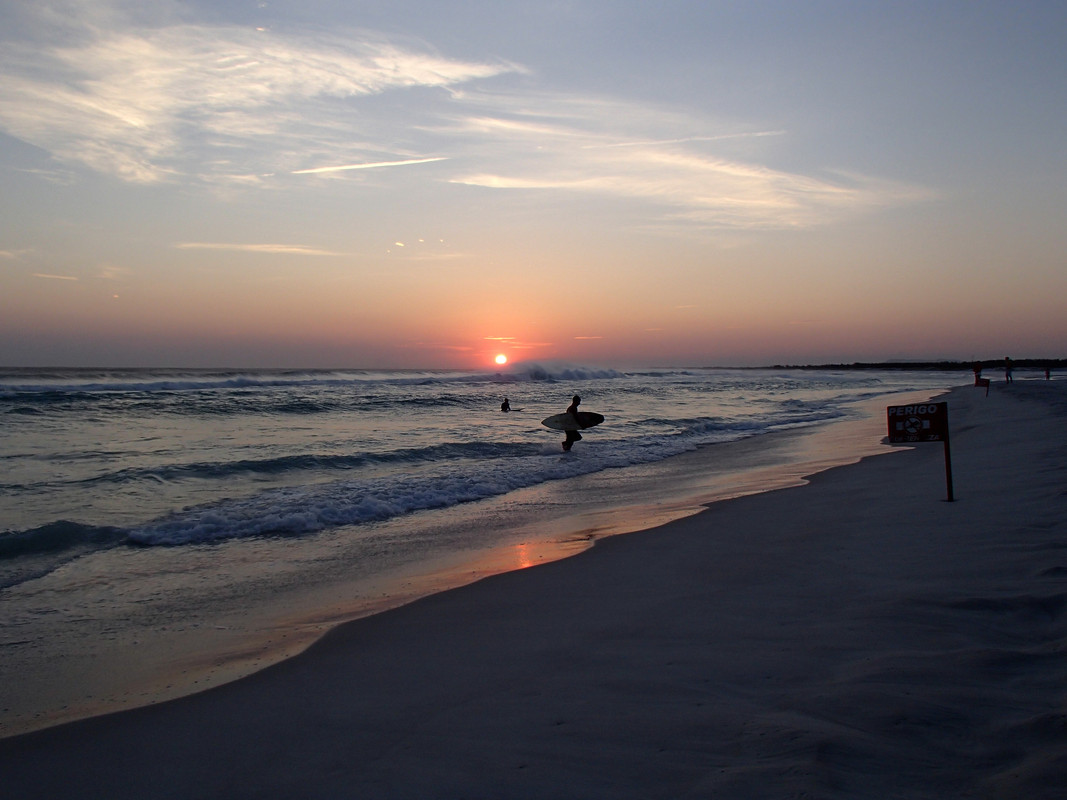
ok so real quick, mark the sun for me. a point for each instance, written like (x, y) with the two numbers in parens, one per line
(501, 359)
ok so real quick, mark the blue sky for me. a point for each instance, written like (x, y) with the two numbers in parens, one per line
(432, 183)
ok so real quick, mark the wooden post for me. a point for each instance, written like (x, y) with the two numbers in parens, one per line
(948, 469)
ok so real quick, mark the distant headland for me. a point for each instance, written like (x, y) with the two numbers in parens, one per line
(939, 366)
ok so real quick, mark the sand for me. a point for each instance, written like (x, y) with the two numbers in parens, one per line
(855, 637)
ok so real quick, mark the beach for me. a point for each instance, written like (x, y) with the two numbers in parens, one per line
(856, 636)
(233, 517)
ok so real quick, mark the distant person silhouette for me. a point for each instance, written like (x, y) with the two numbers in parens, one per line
(573, 436)
(505, 406)
(1008, 366)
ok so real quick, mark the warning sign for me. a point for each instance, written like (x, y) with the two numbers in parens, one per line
(922, 422)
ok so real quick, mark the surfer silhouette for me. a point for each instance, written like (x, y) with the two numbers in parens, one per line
(573, 436)
(505, 406)
(572, 420)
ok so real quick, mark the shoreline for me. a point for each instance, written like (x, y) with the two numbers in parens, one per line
(857, 636)
(126, 668)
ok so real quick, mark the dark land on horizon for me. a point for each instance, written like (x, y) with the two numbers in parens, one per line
(939, 366)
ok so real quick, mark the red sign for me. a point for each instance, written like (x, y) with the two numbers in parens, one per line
(922, 422)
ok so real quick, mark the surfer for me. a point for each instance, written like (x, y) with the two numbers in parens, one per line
(572, 420)
(573, 436)
(505, 406)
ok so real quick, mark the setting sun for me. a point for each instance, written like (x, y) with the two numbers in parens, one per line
(501, 359)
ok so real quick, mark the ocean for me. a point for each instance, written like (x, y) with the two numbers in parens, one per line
(196, 513)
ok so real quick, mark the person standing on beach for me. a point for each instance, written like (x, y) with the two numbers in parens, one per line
(573, 436)
(1007, 370)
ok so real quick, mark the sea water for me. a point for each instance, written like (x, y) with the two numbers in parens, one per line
(174, 506)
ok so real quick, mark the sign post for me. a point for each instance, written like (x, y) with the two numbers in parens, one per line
(922, 422)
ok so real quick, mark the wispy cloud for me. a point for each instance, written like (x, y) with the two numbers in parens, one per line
(50, 277)
(62, 177)
(372, 165)
(276, 249)
(459, 348)
(595, 146)
(687, 139)
(152, 103)
(515, 343)
(228, 104)
(22, 254)
(110, 272)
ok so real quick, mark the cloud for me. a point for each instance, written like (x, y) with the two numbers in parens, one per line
(152, 103)
(232, 105)
(110, 272)
(689, 183)
(459, 348)
(56, 176)
(277, 249)
(699, 189)
(718, 138)
(518, 344)
(54, 277)
(683, 166)
(374, 165)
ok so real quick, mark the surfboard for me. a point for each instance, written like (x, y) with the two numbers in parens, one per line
(565, 422)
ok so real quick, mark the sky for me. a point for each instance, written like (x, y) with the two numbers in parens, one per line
(618, 183)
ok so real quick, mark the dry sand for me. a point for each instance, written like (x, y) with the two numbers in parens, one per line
(855, 637)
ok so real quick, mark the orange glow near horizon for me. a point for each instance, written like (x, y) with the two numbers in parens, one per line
(690, 231)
